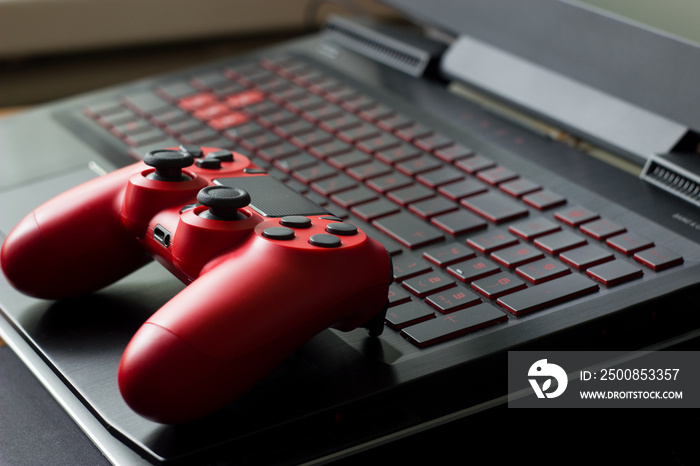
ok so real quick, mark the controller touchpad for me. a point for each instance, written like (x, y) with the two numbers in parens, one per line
(272, 198)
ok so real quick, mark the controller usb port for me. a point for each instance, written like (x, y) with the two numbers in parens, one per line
(161, 235)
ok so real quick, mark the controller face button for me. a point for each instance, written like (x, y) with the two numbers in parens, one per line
(207, 163)
(168, 164)
(279, 233)
(194, 151)
(223, 202)
(342, 229)
(254, 171)
(221, 155)
(325, 241)
(295, 221)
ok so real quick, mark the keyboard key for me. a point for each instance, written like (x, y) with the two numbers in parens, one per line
(497, 285)
(380, 142)
(542, 270)
(492, 240)
(393, 122)
(629, 243)
(333, 185)
(353, 197)
(397, 295)
(433, 142)
(496, 175)
(452, 300)
(473, 269)
(418, 165)
(410, 194)
(602, 229)
(329, 149)
(373, 210)
(439, 177)
(614, 272)
(575, 215)
(452, 325)
(408, 230)
(519, 187)
(315, 173)
(348, 159)
(453, 152)
(658, 258)
(495, 207)
(400, 153)
(407, 266)
(515, 256)
(547, 294)
(426, 284)
(146, 103)
(475, 164)
(384, 184)
(544, 199)
(432, 207)
(586, 256)
(556, 243)
(369, 170)
(459, 222)
(462, 189)
(447, 254)
(532, 228)
(408, 314)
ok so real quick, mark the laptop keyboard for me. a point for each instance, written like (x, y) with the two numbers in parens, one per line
(473, 243)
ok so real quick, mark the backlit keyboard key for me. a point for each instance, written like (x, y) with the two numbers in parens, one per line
(547, 294)
(586, 256)
(495, 207)
(409, 230)
(459, 222)
(544, 199)
(498, 285)
(462, 189)
(575, 215)
(515, 256)
(542, 270)
(519, 187)
(629, 243)
(473, 269)
(614, 272)
(429, 283)
(475, 163)
(602, 229)
(454, 152)
(491, 240)
(496, 175)
(658, 258)
(432, 207)
(559, 242)
(453, 299)
(447, 254)
(452, 325)
(407, 314)
(533, 228)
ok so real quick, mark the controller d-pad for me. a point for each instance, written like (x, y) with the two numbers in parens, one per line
(342, 229)
(279, 233)
(221, 155)
(295, 221)
(208, 164)
(325, 241)
(194, 151)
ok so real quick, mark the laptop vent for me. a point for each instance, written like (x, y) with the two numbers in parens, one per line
(378, 46)
(673, 181)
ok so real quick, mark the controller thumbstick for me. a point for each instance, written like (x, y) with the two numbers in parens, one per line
(168, 164)
(223, 202)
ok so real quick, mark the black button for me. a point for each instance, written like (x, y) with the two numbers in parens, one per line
(295, 221)
(343, 229)
(194, 151)
(325, 241)
(207, 163)
(222, 155)
(281, 233)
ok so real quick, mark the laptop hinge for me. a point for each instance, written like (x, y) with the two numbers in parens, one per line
(407, 52)
(611, 123)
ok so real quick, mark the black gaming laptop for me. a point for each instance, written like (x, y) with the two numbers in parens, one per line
(531, 166)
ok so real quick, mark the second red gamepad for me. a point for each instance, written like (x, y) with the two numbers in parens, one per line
(266, 269)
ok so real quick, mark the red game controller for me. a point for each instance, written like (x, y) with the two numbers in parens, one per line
(266, 269)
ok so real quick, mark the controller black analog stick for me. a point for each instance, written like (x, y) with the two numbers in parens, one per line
(168, 164)
(223, 202)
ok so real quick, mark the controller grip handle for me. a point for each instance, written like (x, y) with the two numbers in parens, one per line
(73, 244)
